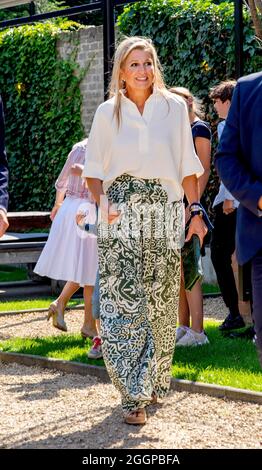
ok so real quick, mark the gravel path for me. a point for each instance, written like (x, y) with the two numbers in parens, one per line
(45, 409)
(35, 324)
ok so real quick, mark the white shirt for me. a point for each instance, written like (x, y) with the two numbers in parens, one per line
(157, 144)
(223, 192)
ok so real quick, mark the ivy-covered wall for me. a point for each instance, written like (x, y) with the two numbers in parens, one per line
(42, 103)
(194, 39)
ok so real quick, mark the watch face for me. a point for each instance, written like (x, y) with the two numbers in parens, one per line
(193, 213)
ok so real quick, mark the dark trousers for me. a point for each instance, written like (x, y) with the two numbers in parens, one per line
(222, 248)
(256, 276)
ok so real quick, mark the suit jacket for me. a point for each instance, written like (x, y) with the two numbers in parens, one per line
(239, 162)
(3, 162)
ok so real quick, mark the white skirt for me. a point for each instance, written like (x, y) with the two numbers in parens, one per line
(70, 254)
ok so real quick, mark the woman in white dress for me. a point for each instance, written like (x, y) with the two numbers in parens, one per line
(70, 254)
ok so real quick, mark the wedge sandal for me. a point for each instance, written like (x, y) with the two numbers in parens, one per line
(136, 417)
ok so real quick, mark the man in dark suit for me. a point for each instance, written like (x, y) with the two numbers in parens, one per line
(239, 164)
(3, 176)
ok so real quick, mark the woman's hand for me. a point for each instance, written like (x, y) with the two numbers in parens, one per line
(113, 213)
(228, 206)
(80, 219)
(197, 227)
(55, 210)
(109, 212)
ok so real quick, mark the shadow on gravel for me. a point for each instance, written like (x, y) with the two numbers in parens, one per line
(97, 431)
(99, 426)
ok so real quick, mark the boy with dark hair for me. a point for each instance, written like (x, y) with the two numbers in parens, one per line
(223, 91)
(223, 234)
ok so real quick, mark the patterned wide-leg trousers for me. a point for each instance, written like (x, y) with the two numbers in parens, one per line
(139, 289)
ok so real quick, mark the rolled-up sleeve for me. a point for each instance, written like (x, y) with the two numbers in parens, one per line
(97, 146)
(190, 163)
(62, 180)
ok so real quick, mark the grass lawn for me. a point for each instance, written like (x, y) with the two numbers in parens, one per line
(44, 302)
(224, 361)
(27, 304)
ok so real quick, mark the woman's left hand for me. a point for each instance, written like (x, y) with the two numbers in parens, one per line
(197, 227)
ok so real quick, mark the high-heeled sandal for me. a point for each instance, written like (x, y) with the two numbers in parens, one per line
(136, 417)
(86, 335)
(57, 317)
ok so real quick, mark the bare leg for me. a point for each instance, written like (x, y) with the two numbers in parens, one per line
(183, 312)
(57, 308)
(195, 303)
(89, 325)
(69, 289)
(98, 327)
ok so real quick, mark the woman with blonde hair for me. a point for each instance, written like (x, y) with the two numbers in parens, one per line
(139, 162)
(191, 301)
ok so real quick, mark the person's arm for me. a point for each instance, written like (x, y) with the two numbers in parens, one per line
(98, 146)
(203, 150)
(197, 226)
(61, 186)
(107, 211)
(61, 183)
(233, 172)
(190, 171)
(60, 195)
(62, 180)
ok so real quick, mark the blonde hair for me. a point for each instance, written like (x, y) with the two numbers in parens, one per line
(123, 50)
(195, 106)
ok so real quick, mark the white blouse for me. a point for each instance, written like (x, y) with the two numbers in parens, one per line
(156, 144)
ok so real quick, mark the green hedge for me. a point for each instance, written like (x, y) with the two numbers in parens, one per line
(42, 108)
(196, 46)
(194, 40)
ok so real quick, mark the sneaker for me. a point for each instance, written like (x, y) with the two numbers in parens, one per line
(180, 331)
(248, 333)
(232, 323)
(192, 338)
(96, 350)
